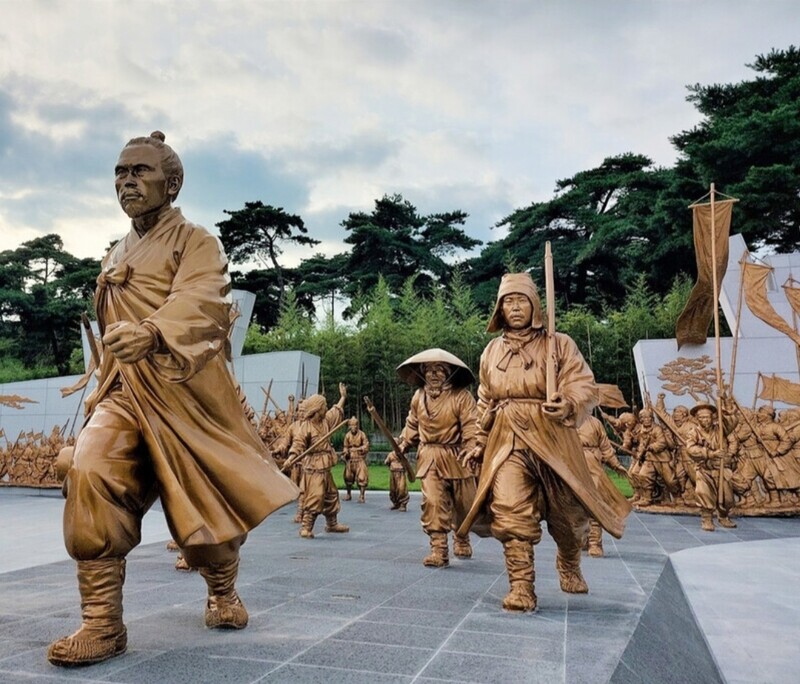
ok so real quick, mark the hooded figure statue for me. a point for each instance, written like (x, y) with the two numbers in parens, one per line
(533, 467)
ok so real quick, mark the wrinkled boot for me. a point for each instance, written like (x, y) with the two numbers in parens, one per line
(519, 566)
(349, 495)
(461, 547)
(307, 526)
(172, 545)
(332, 525)
(437, 558)
(298, 516)
(102, 634)
(707, 521)
(724, 520)
(361, 498)
(569, 573)
(224, 609)
(595, 539)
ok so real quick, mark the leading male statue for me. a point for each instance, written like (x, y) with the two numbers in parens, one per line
(165, 420)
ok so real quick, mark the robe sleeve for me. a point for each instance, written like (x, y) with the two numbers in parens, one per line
(575, 380)
(468, 418)
(193, 322)
(410, 433)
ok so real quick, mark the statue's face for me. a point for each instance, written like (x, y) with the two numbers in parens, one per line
(680, 416)
(646, 418)
(141, 185)
(435, 374)
(705, 418)
(353, 426)
(764, 415)
(517, 311)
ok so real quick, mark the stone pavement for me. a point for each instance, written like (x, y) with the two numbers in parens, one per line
(360, 607)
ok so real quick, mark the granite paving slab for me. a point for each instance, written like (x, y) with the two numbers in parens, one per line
(360, 607)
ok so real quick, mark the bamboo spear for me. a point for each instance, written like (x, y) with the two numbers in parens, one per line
(294, 459)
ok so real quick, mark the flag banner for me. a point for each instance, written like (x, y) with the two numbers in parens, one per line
(755, 295)
(611, 396)
(692, 326)
(792, 290)
(774, 388)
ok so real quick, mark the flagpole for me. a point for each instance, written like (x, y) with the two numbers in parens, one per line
(794, 323)
(758, 386)
(717, 347)
(738, 318)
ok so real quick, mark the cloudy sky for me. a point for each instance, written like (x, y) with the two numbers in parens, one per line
(321, 107)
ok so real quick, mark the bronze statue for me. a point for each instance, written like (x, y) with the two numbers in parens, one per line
(684, 466)
(441, 424)
(311, 444)
(533, 464)
(354, 451)
(165, 419)
(655, 455)
(710, 454)
(599, 453)
(280, 450)
(398, 485)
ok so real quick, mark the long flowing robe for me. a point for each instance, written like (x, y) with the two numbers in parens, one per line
(511, 418)
(215, 479)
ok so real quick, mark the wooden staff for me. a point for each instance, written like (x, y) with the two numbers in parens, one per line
(551, 321)
(294, 459)
(376, 418)
(717, 344)
(268, 393)
(738, 318)
(87, 326)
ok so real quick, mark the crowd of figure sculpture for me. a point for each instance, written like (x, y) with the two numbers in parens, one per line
(677, 461)
(167, 419)
(30, 460)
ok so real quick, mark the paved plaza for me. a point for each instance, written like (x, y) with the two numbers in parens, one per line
(360, 607)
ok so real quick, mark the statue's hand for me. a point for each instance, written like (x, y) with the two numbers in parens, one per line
(342, 390)
(129, 342)
(471, 458)
(557, 408)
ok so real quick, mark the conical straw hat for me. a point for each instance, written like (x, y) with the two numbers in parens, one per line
(410, 370)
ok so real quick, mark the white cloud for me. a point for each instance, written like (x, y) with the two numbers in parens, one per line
(486, 103)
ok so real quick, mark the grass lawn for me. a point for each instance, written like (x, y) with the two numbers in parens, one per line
(379, 479)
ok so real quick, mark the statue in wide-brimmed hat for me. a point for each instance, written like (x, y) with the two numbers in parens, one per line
(533, 467)
(441, 424)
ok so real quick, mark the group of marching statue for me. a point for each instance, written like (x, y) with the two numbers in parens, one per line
(682, 459)
(30, 461)
(498, 466)
(166, 421)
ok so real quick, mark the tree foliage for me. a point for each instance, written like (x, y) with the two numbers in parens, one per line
(395, 242)
(748, 143)
(599, 225)
(43, 291)
(259, 231)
